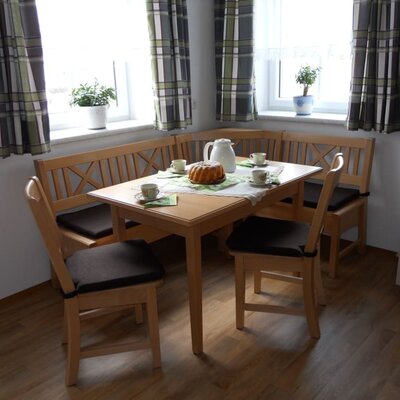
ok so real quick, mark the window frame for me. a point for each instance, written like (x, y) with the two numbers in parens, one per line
(268, 57)
(276, 103)
(118, 110)
(126, 65)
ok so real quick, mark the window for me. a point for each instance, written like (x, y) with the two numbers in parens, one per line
(292, 33)
(107, 40)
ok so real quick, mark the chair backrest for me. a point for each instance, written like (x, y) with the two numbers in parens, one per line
(49, 230)
(331, 179)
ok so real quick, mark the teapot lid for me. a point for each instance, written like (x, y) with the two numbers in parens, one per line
(223, 141)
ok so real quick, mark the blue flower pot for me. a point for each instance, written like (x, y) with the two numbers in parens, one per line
(303, 105)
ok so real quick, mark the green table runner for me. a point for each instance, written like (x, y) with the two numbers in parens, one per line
(229, 181)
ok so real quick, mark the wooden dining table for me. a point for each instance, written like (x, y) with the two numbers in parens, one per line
(196, 215)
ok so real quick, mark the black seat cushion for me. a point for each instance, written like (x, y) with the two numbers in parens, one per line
(94, 222)
(269, 236)
(340, 197)
(114, 265)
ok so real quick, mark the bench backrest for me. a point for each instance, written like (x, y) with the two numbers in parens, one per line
(319, 150)
(245, 141)
(67, 179)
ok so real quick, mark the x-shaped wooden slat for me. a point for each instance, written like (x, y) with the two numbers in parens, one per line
(151, 162)
(320, 155)
(86, 178)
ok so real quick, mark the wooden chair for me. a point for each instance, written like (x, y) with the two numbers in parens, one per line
(67, 179)
(245, 141)
(99, 280)
(348, 206)
(274, 248)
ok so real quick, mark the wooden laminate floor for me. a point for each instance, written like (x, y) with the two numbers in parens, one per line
(357, 357)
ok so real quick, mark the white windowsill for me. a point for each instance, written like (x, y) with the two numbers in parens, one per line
(115, 128)
(81, 133)
(319, 118)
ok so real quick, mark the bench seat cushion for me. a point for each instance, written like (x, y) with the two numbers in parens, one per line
(114, 265)
(340, 197)
(269, 236)
(94, 222)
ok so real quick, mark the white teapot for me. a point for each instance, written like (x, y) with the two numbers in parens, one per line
(222, 152)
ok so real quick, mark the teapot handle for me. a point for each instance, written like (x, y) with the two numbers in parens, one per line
(205, 151)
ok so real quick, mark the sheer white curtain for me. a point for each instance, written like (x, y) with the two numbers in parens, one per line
(102, 39)
(303, 28)
(293, 33)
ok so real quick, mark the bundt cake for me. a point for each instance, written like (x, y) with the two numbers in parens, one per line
(206, 172)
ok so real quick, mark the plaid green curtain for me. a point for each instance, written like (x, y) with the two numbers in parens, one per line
(234, 52)
(24, 121)
(375, 86)
(169, 41)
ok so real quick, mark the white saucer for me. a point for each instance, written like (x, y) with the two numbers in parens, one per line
(265, 184)
(141, 199)
(258, 165)
(173, 171)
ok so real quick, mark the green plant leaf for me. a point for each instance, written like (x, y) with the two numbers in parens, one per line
(307, 77)
(86, 95)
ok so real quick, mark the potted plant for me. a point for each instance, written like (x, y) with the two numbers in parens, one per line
(95, 99)
(306, 76)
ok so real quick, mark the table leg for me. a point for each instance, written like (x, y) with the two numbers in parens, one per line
(193, 266)
(298, 199)
(223, 234)
(118, 224)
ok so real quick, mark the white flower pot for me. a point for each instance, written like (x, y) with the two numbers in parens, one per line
(96, 117)
(303, 105)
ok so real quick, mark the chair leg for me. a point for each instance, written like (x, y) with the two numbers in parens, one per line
(74, 347)
(257, 282)
(65, 326)
(152, 323)
(54, 280)
(334, 250)
(240, 287)
(139, 313)
(309, 298)
(319, 288)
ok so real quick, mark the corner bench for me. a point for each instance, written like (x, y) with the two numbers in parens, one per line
(67, 179)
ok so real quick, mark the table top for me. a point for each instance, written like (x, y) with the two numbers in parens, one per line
(193, 208)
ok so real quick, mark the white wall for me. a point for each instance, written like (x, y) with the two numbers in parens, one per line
(23, 259)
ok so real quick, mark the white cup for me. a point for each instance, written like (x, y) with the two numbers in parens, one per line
(259, 176)
(258, 158)
(149, 191)
(178, 165)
